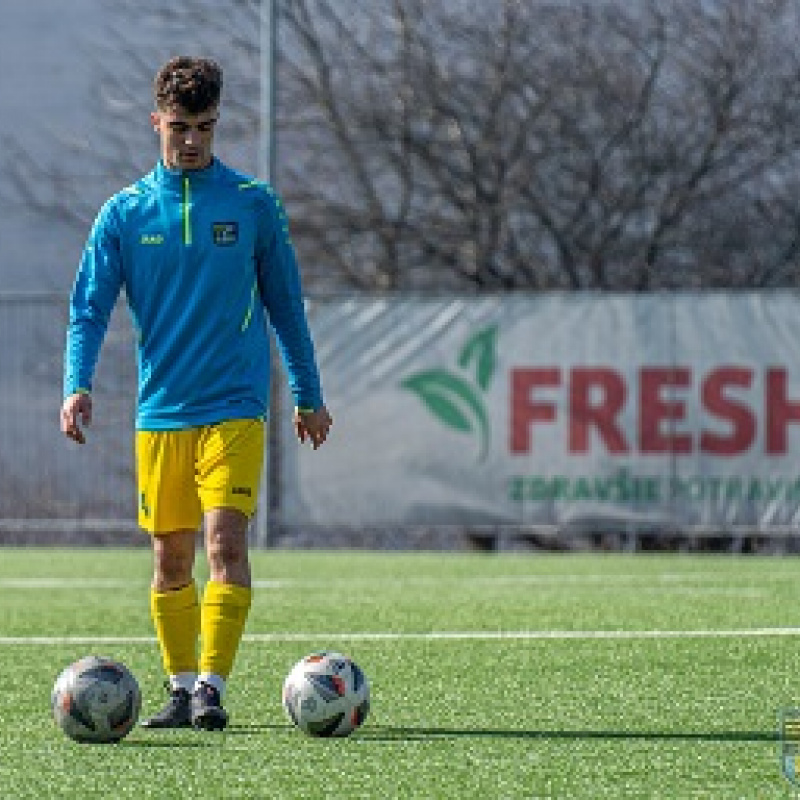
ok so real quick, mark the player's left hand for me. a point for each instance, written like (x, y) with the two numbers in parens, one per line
(312, 425)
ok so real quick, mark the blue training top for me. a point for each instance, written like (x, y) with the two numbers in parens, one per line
(201, 255)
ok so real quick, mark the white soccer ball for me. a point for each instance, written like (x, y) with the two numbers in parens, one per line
(326, 694)
(96, 700)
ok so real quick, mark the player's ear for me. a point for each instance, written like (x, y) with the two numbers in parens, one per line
(155, 120)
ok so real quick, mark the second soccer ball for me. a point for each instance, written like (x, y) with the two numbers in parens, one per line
(326, 694)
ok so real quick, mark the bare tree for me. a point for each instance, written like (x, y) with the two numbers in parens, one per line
(120, 146)
(531, 145)
(594, 144)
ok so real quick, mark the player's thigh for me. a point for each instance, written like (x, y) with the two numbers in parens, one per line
(229, 465)
(167, 488)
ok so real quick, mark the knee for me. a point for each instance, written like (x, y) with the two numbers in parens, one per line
(173, 562)
(226, 549)
(173, 572)
(226, 546)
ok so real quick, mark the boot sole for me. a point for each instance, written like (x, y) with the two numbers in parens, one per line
(210, 721)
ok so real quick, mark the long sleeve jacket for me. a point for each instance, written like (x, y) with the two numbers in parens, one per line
(207, 265)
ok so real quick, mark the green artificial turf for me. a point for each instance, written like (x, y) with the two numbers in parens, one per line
(492, 676)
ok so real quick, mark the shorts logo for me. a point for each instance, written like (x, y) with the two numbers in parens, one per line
(245, 490)
(225, 233)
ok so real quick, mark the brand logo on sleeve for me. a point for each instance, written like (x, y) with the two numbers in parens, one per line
(225, 234)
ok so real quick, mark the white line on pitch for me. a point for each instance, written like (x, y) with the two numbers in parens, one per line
(66, 583)
(656, 582)
(523, 635)
(100, 583)
(744, 633)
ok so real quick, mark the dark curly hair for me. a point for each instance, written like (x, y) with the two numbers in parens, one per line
(192, 84)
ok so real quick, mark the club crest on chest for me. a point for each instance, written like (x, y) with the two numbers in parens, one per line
(225, 234)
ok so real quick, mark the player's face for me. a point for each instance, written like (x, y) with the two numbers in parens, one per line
(186, 139)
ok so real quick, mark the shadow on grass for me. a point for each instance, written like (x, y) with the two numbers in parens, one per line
(254, 729)
(391, 733)
(169, 742)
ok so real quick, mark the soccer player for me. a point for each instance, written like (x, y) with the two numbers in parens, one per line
(204, 256)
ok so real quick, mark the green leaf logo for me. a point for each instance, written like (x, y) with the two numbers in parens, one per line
(457, 400)
(480, 350)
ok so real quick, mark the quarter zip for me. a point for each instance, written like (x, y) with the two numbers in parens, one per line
(249, 315)
(186, 211)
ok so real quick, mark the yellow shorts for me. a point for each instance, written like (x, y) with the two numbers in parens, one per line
(182, 474)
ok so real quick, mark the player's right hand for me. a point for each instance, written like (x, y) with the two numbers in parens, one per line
(76, 410)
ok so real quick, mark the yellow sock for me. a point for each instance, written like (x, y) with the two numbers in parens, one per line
(222, 619)
(176, 616)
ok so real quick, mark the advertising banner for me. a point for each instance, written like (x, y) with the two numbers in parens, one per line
(575, 410)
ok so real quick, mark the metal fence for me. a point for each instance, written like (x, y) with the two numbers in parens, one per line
(55, 491)
(52, 488)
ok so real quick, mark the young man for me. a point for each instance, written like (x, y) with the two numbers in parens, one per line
(205, 259)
